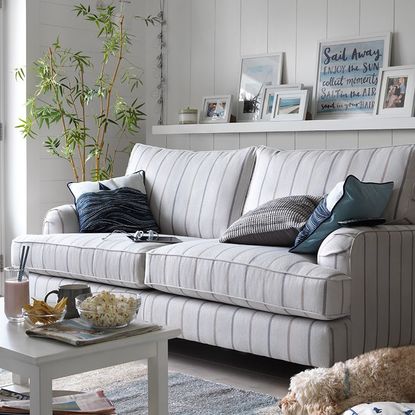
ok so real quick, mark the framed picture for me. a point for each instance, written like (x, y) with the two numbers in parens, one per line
(216, 109)
(268, 99)
(257, 72)
(347, 75)
(290, 105)
(396, 91)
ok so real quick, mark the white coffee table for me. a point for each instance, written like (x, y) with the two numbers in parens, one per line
(43, 360)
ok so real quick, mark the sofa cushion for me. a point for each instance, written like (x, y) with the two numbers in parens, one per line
(276, 222)
(355, 200)
(194, 193)
(315, 172)
(116, 260)
(258, 277)
(301, 340)
(123, 209)
(133, 181)
(384, 408)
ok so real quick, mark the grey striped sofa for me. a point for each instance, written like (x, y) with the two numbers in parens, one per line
(357, 294)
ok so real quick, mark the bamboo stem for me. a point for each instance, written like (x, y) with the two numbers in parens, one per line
(101, 137)
(78, 145)
(83, 160)
(58, 102)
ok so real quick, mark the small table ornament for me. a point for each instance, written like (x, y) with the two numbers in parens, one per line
(188, 116)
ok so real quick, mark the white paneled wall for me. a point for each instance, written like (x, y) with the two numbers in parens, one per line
(15, 150)
(206, 40)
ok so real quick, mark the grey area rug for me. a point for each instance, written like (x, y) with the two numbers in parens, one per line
(192, 396)
(188, 395)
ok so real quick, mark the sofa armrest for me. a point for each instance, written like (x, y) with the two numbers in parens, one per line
(61, 219)
(381, 264)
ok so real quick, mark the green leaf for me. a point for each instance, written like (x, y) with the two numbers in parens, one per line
(129, 115)
(19, 73)
(99, 174)
(26, 127)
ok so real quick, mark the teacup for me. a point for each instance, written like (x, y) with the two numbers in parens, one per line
(70, 291)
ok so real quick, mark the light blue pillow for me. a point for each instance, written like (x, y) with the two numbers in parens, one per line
(360, 200)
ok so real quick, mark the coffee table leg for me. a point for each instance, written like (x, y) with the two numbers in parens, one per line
(158, 381)
(20, 380)
(40, 394)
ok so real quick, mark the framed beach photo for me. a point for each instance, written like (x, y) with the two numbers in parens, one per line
(268, 99)
(396, 91)
(216, 109)
(347, 75)
(257, 72)
(290, 105)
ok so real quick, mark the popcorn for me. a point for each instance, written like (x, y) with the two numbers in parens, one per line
(109, 310)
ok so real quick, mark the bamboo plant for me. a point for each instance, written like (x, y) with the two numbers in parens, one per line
(82, 110)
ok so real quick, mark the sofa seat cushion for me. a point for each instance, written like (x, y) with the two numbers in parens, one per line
(300, 340)
(257, 277)
(116, 260)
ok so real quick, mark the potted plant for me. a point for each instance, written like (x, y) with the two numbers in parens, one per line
(84, 110)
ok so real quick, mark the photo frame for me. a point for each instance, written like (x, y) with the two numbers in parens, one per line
(396, 92)
(216, 109)
(347, 75)
(268, 99)
(257, 72)
(290, 105)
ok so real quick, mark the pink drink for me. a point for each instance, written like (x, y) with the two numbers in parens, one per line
(16, 295)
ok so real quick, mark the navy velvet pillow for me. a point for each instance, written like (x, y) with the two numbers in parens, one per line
(359, 200)
(123, 209)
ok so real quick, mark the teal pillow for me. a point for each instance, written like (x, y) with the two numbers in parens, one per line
(360, 200)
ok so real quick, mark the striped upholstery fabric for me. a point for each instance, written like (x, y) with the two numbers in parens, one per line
(62, 219)
(194, 193)
(116, 260)
(381, 263)
(257, 277)
(316, 172)
(296, 339)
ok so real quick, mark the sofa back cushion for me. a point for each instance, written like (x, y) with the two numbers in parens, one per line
(315, 172)
(194, 193)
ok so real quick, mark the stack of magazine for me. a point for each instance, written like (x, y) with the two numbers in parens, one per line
(83, 403)
(78, 333)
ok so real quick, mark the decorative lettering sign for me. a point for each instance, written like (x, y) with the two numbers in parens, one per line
(347, 76)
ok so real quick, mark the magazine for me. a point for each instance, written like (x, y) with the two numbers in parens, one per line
(11, 395)
(83, 403)
(160, 239)
(78, 333)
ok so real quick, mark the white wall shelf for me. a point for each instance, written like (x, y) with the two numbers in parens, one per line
(350, 124)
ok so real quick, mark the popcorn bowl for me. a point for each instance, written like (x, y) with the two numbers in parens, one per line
(108, 310)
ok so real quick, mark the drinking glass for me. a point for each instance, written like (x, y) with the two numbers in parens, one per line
(16, 294)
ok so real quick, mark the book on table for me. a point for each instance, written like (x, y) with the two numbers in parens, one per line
(82, 403)
(78, 333)
(7, 394)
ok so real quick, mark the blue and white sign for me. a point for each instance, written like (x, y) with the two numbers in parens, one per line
(347, 76)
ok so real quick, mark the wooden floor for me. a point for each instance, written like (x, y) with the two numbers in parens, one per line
(241, 370)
